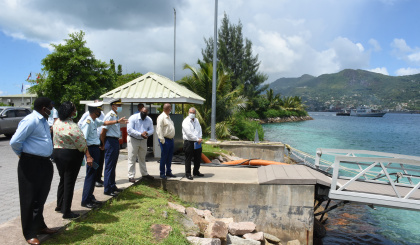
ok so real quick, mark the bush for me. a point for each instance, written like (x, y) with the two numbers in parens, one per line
(245, 129)
(252, 114)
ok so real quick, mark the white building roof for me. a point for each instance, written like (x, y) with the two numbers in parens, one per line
(153, 88)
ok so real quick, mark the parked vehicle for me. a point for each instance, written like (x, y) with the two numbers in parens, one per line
(10, 118)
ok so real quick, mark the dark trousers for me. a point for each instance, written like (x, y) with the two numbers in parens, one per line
(167, 152)
(89, 185)
(34, 177)
(99, 170)
(68, 162)
(112, 151)
(190, 153)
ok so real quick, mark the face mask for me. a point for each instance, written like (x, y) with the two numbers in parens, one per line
(98, 114)
(143, 115)
(75, 115)
(192, 115)
(119, 109)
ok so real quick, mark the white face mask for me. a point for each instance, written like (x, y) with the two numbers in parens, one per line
(192, 115)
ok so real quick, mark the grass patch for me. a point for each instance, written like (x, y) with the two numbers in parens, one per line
(126, 220)
(212, 151)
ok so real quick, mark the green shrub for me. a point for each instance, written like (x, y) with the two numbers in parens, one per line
(245, 129)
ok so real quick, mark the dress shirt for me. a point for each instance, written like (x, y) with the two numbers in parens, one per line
(165, 127)
(53, 115)
(32, 136)
(100, 118)
(114, 129)
(191, 130)
(68, 135)
(89, 130)
(136, 126)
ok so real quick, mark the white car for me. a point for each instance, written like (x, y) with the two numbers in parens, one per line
(10, 118)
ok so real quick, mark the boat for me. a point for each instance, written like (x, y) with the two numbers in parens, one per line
(364, 111)
(343, 113)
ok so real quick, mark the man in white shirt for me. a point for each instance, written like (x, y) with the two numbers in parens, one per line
(139, 128)
(192, 135)
(165, 131)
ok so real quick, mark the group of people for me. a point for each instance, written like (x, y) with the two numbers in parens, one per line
(47, 133)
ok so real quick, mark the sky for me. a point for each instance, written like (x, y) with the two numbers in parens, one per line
(290, 37)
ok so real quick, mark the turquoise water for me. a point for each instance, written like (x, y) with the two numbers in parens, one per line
(393, 133)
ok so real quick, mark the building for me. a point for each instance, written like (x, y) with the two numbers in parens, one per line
(18, 100)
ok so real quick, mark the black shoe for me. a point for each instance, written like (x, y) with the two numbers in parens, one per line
(96, 202)
(132, 180)
(114, 194)
(199, 174)
(57, 209)
(163, 177)
(98, 184)
(100, 181)
(171, 175)
(149, 177)
(71, 215)
(116, 189)
(189, 177)
(89, 205)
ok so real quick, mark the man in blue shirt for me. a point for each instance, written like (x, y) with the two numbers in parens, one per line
(33, 145)
(139, 128)
(110, 139)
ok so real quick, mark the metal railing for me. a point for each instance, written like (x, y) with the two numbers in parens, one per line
(399, 172)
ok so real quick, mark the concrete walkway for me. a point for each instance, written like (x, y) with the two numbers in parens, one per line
(11, 232)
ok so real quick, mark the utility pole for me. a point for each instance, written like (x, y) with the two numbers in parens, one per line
(173, 105)
(213, 95)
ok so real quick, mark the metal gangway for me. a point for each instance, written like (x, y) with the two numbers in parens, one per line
(370, 177)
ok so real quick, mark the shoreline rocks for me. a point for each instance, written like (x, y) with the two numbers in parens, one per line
(283, 119)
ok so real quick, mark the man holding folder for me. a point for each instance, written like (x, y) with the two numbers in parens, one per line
(192, 135)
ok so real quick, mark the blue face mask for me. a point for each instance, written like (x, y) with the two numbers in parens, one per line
(119, 109)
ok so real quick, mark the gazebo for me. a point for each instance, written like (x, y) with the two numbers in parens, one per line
(154, 88)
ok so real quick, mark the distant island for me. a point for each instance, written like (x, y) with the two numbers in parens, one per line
(351, 88)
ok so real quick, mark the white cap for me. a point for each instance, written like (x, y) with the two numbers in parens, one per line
(96, 104)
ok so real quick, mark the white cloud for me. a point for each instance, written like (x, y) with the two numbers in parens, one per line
(381, 70)
(375, 44)
(407, 71)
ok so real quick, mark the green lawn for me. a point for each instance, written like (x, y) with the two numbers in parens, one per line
(126, 220)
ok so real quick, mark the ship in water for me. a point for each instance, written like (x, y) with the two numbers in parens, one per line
(364, 111)
(343, 113)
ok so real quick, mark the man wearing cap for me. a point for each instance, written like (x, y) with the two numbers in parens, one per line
(89, 128)
(33, 145)
(139, 128)
(110, 136)
(98, 178)
(165, 131)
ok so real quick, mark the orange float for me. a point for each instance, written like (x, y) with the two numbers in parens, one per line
(205, 159)
(254, 162)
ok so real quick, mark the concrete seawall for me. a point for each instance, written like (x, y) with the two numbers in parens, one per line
(285, 211)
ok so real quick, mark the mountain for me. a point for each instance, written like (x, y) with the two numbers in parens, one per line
(350, 88)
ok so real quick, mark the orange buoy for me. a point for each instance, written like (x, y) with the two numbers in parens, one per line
(254, 162)
(204, 158)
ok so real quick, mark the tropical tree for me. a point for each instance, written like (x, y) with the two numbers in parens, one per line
(237, 57)
(72, 73)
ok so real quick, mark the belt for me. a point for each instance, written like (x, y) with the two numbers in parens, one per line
(135, 138)
(93, 145)
(168, 138)
(34, 156)
(112, 137)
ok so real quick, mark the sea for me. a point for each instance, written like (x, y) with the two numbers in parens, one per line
(392, 133)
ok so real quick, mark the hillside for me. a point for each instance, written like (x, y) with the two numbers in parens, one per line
(350, 88)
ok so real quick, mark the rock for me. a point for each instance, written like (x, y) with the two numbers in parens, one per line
(258, 236)
(216, 229)
(165, 214)
(199, 212)
(204, 241)
(160, 232)
(177, 207)
(190, 229)
(241, 228)
(220, 158)
(294, 242)
(207, 213)
(232, 137)
(202, 223)
(227, 221)
(271, 238)
(240, 241)
(151, 210)
(216, 161)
